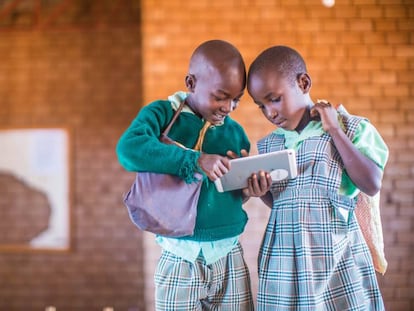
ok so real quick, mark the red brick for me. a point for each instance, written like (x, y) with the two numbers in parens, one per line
(359, 52)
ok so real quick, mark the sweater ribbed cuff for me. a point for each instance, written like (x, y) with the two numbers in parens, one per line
(189, 170)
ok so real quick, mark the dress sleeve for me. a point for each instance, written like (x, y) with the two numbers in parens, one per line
(370, 143)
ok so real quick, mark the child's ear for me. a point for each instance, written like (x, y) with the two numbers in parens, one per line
(305, 82)
(190, 82)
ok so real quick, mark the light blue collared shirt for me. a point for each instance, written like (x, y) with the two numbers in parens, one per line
(190, 250)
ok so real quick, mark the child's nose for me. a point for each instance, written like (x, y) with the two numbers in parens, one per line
(271, 113)
(228, 106)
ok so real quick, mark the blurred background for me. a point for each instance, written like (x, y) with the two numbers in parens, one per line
(88, 66)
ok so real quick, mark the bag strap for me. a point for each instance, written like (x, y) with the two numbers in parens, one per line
(164, 135)
(201, 135)
(176, 114)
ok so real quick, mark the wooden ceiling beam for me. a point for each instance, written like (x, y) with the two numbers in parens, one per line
(9, 8)
(58, 10)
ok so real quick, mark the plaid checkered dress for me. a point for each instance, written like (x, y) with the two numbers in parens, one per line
(312, 257)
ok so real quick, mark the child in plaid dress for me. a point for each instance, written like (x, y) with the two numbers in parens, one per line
(313, 255)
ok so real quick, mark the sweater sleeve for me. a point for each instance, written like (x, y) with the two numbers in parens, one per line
(139, 149)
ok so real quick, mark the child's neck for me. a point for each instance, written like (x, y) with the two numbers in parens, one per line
(191, 105)
(306, 118)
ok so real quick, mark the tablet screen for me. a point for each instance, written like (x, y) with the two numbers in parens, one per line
(280, 164)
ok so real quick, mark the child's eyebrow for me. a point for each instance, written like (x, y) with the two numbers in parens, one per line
(229, 95)
(240, 95)
(223, 93)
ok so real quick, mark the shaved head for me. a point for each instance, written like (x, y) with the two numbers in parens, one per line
(282, 60)
(215, 81)
(216, 54)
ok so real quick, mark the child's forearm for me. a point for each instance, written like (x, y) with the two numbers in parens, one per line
(365, 174)
(267, 199)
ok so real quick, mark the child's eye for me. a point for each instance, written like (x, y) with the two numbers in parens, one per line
(219, 99)
(275, 100)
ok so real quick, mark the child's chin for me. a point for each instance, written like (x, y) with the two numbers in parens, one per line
(282, 125)
(217, 121)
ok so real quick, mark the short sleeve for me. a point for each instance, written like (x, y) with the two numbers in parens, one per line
(370, 143)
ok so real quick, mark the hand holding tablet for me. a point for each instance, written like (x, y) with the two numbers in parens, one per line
(280, 165)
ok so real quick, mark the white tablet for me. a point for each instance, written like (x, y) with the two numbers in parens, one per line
(280, 165)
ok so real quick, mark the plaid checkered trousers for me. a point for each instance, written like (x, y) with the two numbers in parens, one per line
(313, 256)
(195, 286)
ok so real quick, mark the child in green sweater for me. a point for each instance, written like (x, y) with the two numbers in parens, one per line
(207, 270)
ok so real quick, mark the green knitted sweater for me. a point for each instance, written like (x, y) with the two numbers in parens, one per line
(219, 215)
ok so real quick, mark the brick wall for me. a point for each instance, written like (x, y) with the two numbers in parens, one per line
(359, 52)
(89, 82)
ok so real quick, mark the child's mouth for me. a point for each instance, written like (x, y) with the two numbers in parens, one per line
(279, 123)
(218, 117)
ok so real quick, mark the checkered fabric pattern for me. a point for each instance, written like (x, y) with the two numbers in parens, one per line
(312, 257)
(223, 285)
